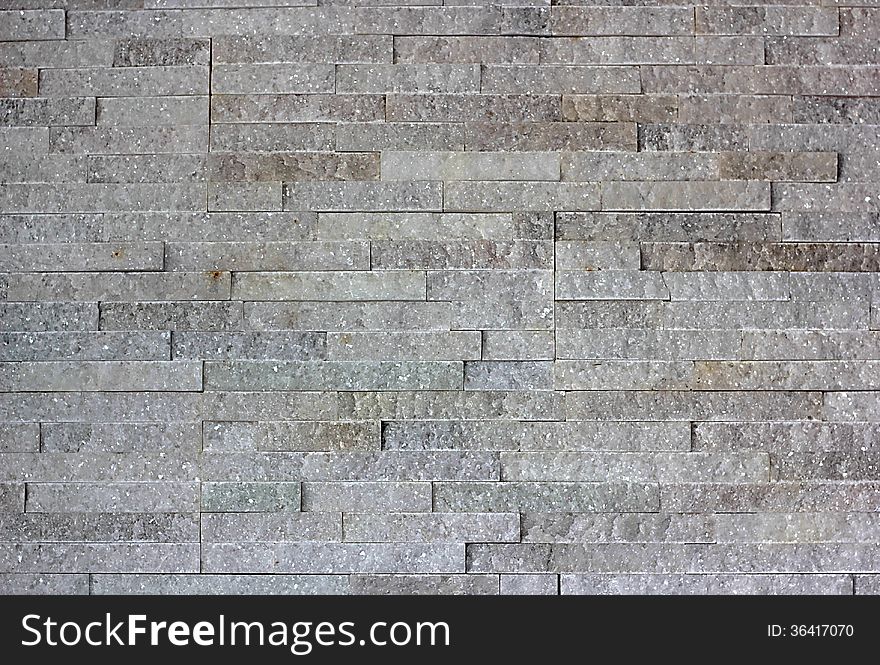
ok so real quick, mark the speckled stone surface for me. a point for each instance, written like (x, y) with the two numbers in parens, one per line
(408, 297)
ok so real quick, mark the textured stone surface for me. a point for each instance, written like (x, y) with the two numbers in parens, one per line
(406, 297)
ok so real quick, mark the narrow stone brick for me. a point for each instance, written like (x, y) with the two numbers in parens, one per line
(479, 196)
(383, 346)
(469, 166)
(620, 108)
(409, 78)
(634, 343)
(584, 21)
(617, 528)
(84, 346)
(20, 438)
(100, 527)
(413, 585)
(810, 345)
(685, 196)
(90, 407)
(248, 79)
(38, 24)
(709, 584)
(274, 527)
(56, 53)
(146, 168)
(211, 227)
(275, 137)
(205, 584)
(668, 226)
(449, 50)
(282, 256)
(349, 316)
(693, 137)
(798, 527)
(430, 527)
(518, 345)
(100, 376)
(101, 557)
(538, 136)
(161, 52)
(610, 285)
(64, 198)
(41, 111)
(529, 585)
(694, 405)
(34, 140)
(255, 406)
(792, 437)
(326, 436)
(501, 375)
(598, 166)
(250, 196)
(297, 108)
(374, 497)
(250, 497)
(461, 255)
(45, 170)
(12, 497)
(851, 406)
(48, 316)
(558, 79)
(809, 257)
(719, 286)
(23, 229)
(141, 497)
(19, 82)
(617, 50)
(343, 196)
(143, 111)
(735, 109)
(544, 497)
(177, 316)
(33, 584)
(241, 345)
(340, 557)
(132, 140)
(807, 167)
(572, 435)
(250, 167)
(767, 20)
(786, 375)
(453, 107)
(623, 375)
(866, 585)
(351, 137)
(776, 497)
(312, 48)
(81, 257)
(100, 466)
(124, 82)
(736, 50)
(390, 285)
(120, 437)
(126, 287)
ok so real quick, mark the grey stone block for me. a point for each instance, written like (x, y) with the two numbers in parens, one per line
(481, 49)
(274, 527)
(19, 438)
(617, 50)
(635, 343)
(693, 137)
(87, 467)
(250, 196)
(22, 229)
(410, 585)
(430, 527)
(291, 436)
(92, 197)
(797, 528)
(617, 528)
(620, 108)
(503, 375)
(55, 111)
(599, 166)
(161, 52)
(685, 196)
(36, 24)
(206, 584)
(18, 82)
(124, 82)
(518, 345)
(81, 257)
(241, 108)
(317, 48)
(611, 285)
(100, 376)
(100, 557)
(668, 226)
(583, 21)
(120, 437)
(12, 497)
(572, 435)
(776, 497)
(57, 53)
(351, 137)
(280, 256)
(469, 166)
(176, 316)
(344, 286)
(33, 584)
(408, 78)
(812, 257)
(529, 585)
(274, 137)
(452, 107)
(384, 346)
(831, 227)
(544, 497)
(480, 196)
(375, 497)
(140, 497)
(267, 78)
(143, 111)
(767, 20)
(335, 316)
(33, 140)
(212, 227)
(89, 407)
(36, 346)
(250, 497)
(720, 286)
(558, 79)
(791, 437)
(734, 109)
(542, 136)
(461, 255)
(293, 166)
(100, 527)
(241, 345)
(711, 584)
(358, 196)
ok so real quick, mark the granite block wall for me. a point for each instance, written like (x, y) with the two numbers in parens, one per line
(414, 296)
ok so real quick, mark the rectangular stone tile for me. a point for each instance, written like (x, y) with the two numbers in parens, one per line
(176, 316)
(90, 407)
(255, 345)
(33, 584)
(250, 196)
(734, 109)
(101, 527)
(250, 497)
(382, 346)
(339, 557)
(623, 375)
(797, 528)
(866, 585)
(617, 528)
(275, 527)
(22, 229)
(786, 375)
(42, 111)
(469, 166)
(258, 167)
(85, 467)
(842, 50)
(616, 50)
(349, 316)
(446, 405)
(529, 585)
(476, 49)
(240, 108)
(587, 21)
(17, 140)
(18, 82)
(120, 437)
(558, 79)
(407, 78)
(599, 166)
(457, 107)
(12, 497)
(92, 197)
(544, 497)
(502, 375)
(831, 227)
(314, 436)
(797, 166)
(735, 50)
(390, 285)
(211, 227)
(479, 196)
(636, 467)
(776, 497)
(845, 197)
(275, 137)
(19, 438)
(44, 170)
(124, 82)
(56, 53)
(48, 316)
(317, 48)
(355, 196)
(364, 137)
(518, 345)
(693, 405)
(834, 110)
(576, 255)
(146, 168)
(99, 557)
(206, 584)
(826, 466)
(668, 226)
(37, 24)
(430, 528)
(500, 435)
(693, 137)
(635, 343)
(85, 346)
(719, 286)
(705, 584)
(267, 78)
(767, 20)
(257, 406)
(619, 108)
(81, 257)
(810, 257)
(143, 111)
(162, 139)
(543, 136)
(352, 466)
(413, 585)
(792, 437)
(461, 255)
(152, 497)
(373, 497)
(685, 196)
(824, 286)
(100, 376)
(611, 285)
(281, 256)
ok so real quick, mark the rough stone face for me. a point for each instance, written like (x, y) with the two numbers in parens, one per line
(411, 296)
